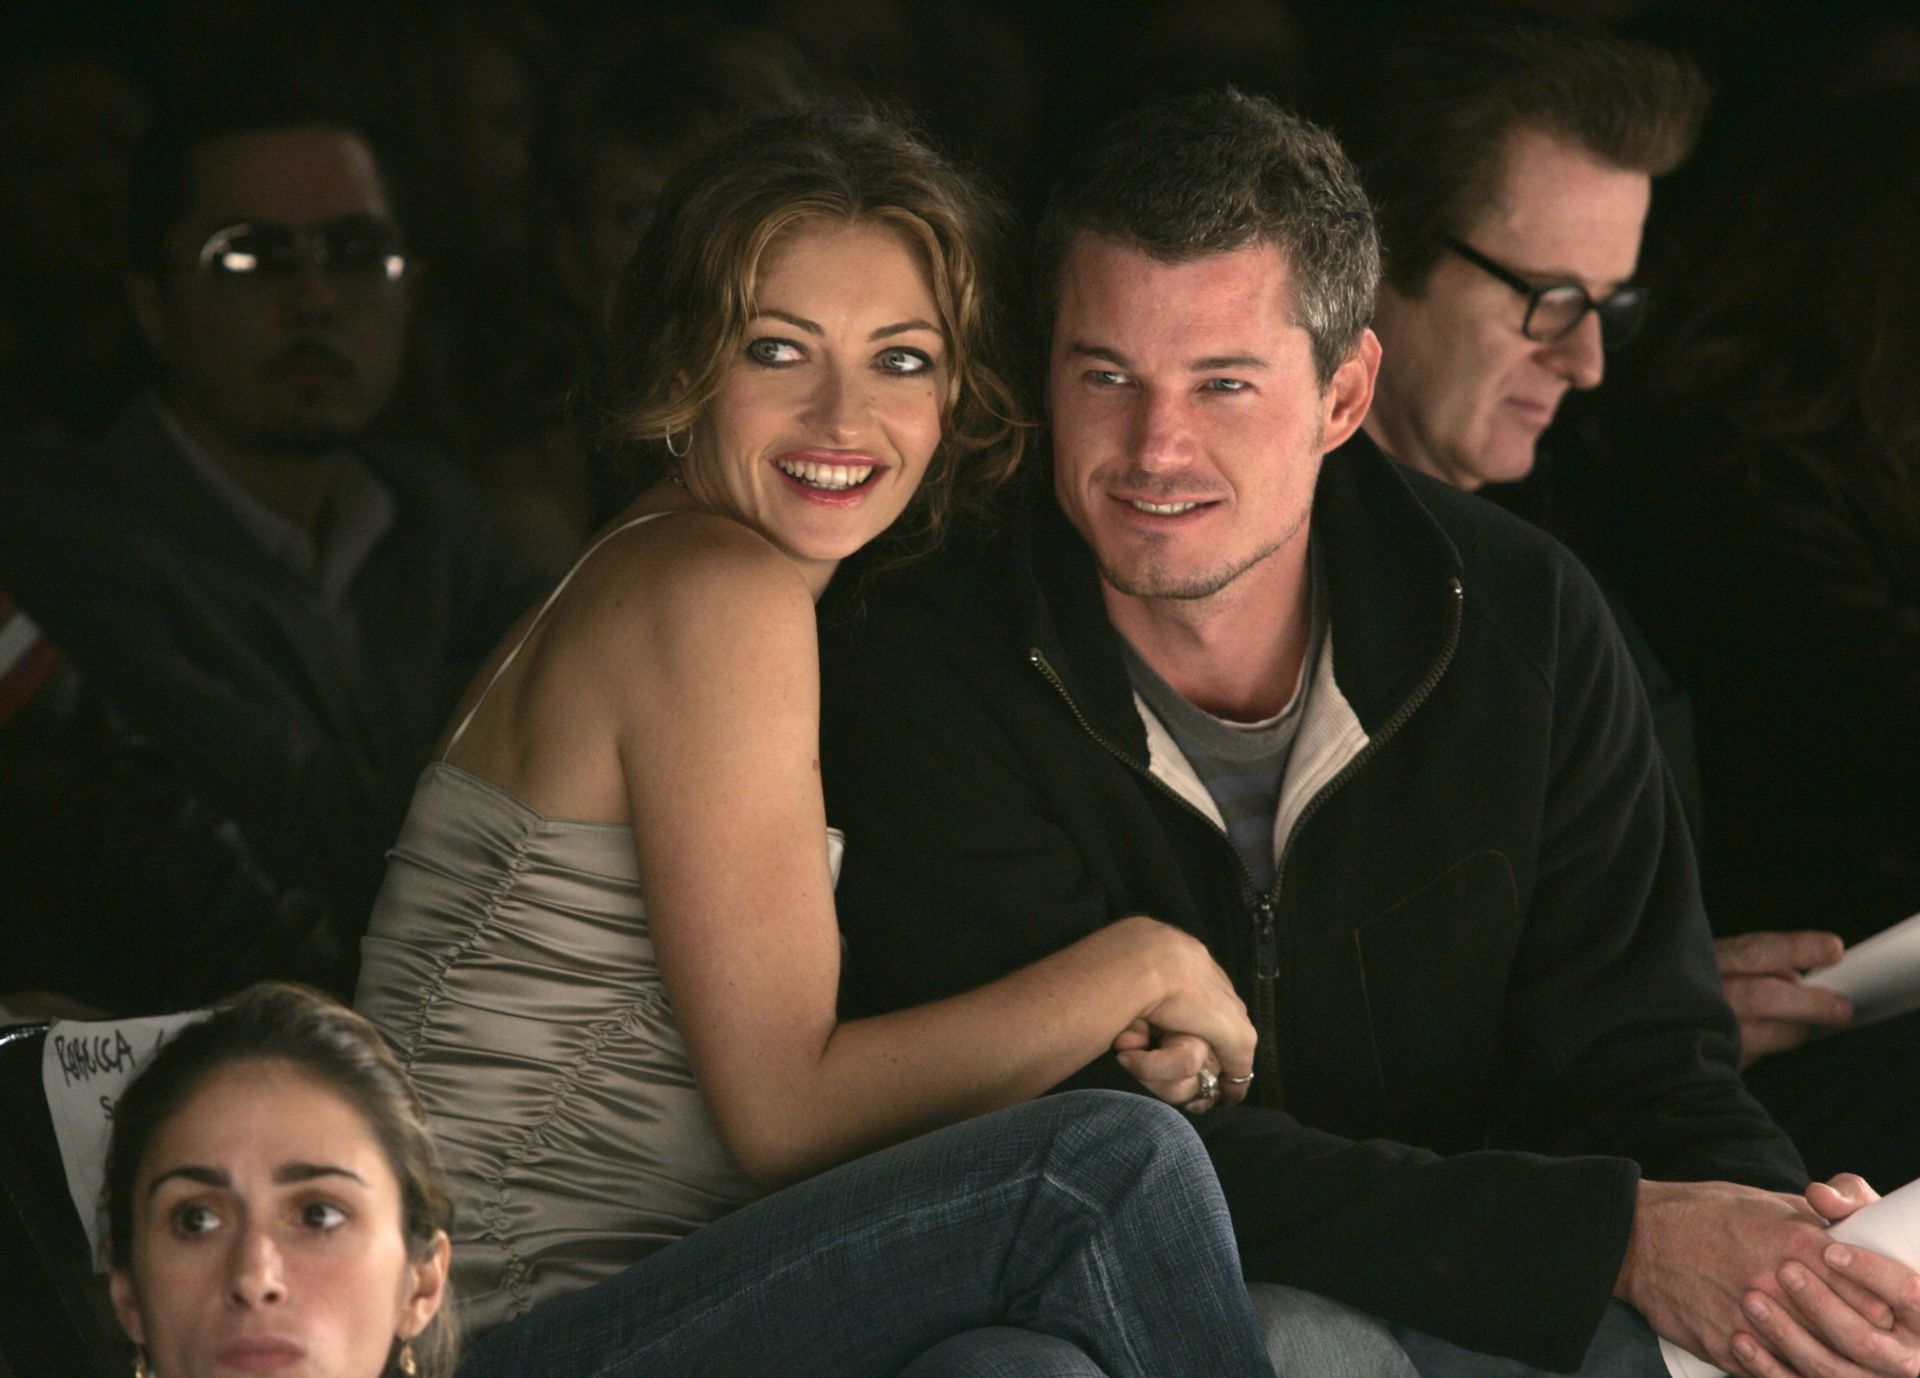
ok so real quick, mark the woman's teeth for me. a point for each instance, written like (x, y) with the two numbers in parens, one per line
(829, 476)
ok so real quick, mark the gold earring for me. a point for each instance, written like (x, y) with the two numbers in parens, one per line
(140, 1369)
(408, 1365)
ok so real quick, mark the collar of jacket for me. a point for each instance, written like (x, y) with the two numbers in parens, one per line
(1388, 565)
(134, 464)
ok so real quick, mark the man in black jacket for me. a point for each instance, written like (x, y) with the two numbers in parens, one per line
(281, 608)
(1376, 743)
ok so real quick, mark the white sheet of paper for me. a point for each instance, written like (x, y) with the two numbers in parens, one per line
(1684, 1365)
(1890, 1226)
(84, 1068)
(1881, 974)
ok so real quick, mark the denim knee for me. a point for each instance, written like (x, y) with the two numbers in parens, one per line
(1135, 1124)
(1003, 1352)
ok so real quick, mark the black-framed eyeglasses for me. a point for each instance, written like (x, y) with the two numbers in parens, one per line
(1555, 309)
(355, 251)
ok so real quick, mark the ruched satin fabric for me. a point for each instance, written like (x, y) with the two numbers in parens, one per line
(509, 961)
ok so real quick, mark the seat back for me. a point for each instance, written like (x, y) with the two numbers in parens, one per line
(54, 1317)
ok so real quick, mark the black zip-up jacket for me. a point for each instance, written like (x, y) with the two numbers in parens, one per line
(1485, 992)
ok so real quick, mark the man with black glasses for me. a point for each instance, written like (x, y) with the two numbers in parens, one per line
(1511, 159)
(284, 607)
(1511, 162)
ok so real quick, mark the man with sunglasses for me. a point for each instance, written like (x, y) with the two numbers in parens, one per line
(283, 605)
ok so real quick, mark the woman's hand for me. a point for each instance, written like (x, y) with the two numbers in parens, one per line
(1197, 1034)
(1173, 1069)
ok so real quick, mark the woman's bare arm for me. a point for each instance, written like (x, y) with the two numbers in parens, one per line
(718, 747)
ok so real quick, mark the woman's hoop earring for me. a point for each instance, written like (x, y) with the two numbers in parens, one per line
(408, 1364)
(685, 449)
(140, 1369)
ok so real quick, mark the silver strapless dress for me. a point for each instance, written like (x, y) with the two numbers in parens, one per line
(508, 959)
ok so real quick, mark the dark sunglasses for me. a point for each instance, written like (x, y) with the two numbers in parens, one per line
(1554, 309)
(362, 249)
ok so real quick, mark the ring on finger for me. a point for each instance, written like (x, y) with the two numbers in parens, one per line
(1237, 1081)
(1208, 1093)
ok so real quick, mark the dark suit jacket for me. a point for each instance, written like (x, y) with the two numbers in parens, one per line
(304, 723)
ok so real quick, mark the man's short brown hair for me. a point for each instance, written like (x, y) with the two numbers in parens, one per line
(1425, 104)
(1218, 171)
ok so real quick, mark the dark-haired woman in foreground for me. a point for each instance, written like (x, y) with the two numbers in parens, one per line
(273, 1201)
(806, 368)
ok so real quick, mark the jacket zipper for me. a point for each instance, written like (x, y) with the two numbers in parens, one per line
(1265, 908)
(1266, 914)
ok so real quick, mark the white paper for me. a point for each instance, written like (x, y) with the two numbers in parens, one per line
(1881, 974)
(1684, 1365)
(1890, 1226)
(84, 1067)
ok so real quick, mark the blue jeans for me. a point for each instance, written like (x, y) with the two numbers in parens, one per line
(1091, 1220)
(1004, 1351)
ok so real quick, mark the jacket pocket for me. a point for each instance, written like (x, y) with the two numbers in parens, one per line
(1434, 967)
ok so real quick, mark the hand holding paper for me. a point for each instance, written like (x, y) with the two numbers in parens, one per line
(1697, 1247)
(1760, 976)
(1880, 975)
(1889, 1227)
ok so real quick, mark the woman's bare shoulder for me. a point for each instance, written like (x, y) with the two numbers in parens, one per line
(678, 583)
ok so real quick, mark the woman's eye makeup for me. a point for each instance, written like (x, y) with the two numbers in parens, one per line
(194, 1218)
(774, 352)
(770, 351)
(900, 359)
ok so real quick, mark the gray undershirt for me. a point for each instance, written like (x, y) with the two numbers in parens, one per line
(1243, 765)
